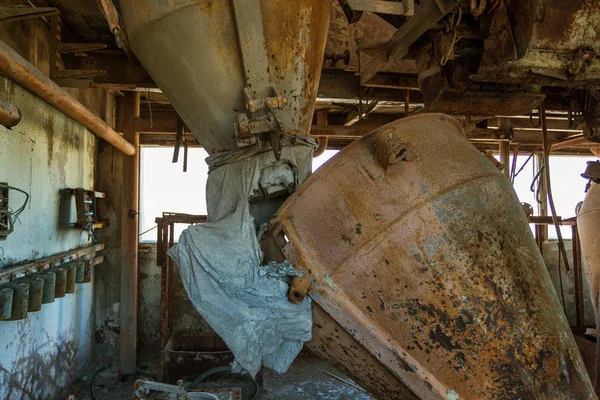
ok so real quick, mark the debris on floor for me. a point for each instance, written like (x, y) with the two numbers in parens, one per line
(309, 378)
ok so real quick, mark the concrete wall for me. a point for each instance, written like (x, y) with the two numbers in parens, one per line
(551, 259)
(185, 317)
(45, 153)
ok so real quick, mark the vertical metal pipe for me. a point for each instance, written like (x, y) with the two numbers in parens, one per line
(542, 195)
(505, 156)
(578, 279)
(129, 237)
(547, 144)
(163, 298)
(171, 290)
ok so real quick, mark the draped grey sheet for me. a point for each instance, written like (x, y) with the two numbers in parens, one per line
(220, 264)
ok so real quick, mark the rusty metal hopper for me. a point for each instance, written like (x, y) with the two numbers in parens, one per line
(427, 280)
(192, 50)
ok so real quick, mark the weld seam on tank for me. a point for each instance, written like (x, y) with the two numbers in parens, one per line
(356, 325)
(427, 200)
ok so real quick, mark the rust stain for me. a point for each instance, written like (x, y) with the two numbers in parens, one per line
(442, 281)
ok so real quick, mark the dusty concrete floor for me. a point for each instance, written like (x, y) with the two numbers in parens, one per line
(307, 379)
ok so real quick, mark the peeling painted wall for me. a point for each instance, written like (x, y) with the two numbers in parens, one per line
(47, 152)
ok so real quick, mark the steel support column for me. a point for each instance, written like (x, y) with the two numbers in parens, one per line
(129, 112)
(505, 156)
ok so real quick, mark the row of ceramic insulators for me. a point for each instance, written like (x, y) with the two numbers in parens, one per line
(26, 295)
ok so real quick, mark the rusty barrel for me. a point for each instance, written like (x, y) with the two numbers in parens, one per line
(588, 224)
(426, 277)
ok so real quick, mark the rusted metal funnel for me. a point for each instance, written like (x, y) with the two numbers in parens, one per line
(192, 50)
(427, 280)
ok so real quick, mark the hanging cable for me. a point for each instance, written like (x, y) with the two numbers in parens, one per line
(149, 107)
(13, 215)
(477, 11)
(539, 122)
(546, 144)
(513, 167)
(452, 27)
(526, 162)
(536, 177)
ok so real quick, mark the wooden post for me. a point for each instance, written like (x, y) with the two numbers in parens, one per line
(129, 112)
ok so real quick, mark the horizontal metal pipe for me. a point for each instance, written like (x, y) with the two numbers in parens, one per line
(15, 67)
(10, 115)
(577, 142)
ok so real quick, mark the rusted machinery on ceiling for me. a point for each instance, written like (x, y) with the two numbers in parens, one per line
(485, 57)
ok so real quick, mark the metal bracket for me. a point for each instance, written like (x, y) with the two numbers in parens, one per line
(428, 14)
(261, 96)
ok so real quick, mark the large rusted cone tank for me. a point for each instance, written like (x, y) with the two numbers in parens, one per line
(588, 222)
(427, 280)
(191, 50)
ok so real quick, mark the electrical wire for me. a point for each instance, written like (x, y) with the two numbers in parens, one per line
(514, 163)
(13, 215)
(476, 10)
(452, 27)
(151, 229)
(525, 164)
